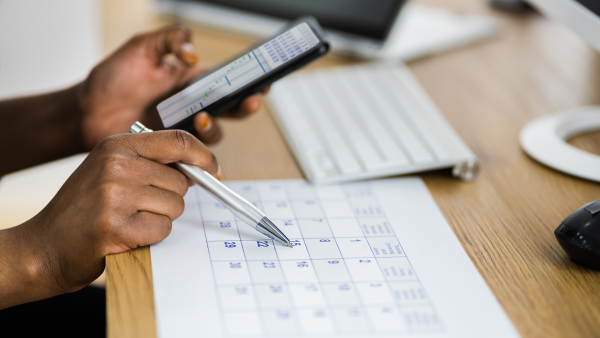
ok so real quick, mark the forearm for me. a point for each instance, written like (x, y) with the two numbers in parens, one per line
(24, 268)
(39, 129)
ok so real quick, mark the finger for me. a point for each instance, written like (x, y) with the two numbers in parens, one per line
(159, 201)
(266, 90)
(249, 106)
(206, 128)
(161, 176)
(174, 39)
(146, 228)
(166, 146)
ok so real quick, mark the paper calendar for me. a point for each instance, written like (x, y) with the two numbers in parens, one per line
(369, 259)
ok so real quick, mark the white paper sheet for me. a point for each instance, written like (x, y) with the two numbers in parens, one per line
(371, 259)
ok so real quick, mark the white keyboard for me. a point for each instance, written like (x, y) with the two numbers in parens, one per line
(367, 121)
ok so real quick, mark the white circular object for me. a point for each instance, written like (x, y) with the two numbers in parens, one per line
(544, 140)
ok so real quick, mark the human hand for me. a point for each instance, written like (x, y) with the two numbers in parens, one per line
(127, 86)
(121, 197)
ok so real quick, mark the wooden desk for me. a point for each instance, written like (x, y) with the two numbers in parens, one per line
(504, 220)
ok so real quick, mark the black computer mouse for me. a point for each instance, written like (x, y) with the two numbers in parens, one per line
(579, 235)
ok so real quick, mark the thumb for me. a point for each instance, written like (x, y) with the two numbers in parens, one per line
(173, 39)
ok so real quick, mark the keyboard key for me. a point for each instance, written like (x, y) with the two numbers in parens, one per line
(345, 161)
(382, 138)
(404, 133)
(367, 154)
(414, 114)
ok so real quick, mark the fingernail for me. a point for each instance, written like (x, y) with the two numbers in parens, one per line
(189, 53)
(219, 174)
(205, 122)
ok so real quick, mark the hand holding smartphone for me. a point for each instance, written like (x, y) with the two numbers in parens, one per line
(296, 45)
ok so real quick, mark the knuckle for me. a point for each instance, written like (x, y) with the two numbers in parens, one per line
(164, 226)
(114, 166)
(182, 139)
(183, 184)
(179, 207)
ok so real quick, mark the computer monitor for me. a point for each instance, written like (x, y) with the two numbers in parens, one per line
(581, 15)
(544, 138)
(395, 29)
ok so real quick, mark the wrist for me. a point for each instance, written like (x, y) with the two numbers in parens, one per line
(26, 268)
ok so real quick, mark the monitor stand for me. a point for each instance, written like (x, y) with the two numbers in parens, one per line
(544, 139)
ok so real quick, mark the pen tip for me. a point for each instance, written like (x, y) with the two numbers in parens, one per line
(290, 245)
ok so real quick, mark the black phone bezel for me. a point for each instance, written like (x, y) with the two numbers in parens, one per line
(234, 98)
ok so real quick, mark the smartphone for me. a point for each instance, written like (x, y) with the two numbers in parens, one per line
(296, 45)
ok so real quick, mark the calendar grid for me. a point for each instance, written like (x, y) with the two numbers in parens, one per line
(338, 278)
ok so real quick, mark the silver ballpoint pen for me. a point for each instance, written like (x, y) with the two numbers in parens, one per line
(234, 202)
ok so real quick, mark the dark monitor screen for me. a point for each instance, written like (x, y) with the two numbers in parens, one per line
(592, 5)
(366, 18)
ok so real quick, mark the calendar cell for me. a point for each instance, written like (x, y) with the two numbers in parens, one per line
(376, 227)
(297, 252)
(243, 323)
(272, 191)
(357, 190)
(386, 246)
(386, 318)
(421, 317)
(226, 250)
(273, 296)
(301, 191)
(259, 250)
(397, 269)
(289, 227)
(322, 248)
(221, 231)
(307, 295)
(231, 272)
(237, 297)
(299, 271)
(366, 207)
(331, 192)
(364, 269)
(307, 209)
(408, 293)
(331, 270)
(354, 247)
(215, 211)
(315, 321)
(280, 320)
(265, 272)
(340, 294)
(345, 227)
(278, 209)
(374, 293)
(337, 208)
(314, 228)
(352, 320)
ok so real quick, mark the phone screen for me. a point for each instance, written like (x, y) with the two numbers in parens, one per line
(238, 73)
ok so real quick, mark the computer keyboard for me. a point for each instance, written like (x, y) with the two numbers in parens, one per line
(367, 121)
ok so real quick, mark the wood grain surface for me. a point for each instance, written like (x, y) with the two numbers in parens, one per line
(504, 220)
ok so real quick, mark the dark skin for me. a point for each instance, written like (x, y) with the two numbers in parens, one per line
(124, 195)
